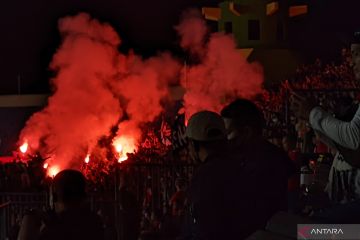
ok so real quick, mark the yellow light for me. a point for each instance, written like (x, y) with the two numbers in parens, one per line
(272, 8)
(23, 148)
(122, 158)
(87, 159)
(46, 165)
(52, 171)
(118, 148)
(298, 10)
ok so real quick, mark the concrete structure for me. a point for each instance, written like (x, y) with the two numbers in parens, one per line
(260, 29)
(35, 100)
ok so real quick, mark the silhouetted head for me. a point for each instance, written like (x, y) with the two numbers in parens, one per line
(68, 188)
(243, 120)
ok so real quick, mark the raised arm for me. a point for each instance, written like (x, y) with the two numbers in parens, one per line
(346, 134)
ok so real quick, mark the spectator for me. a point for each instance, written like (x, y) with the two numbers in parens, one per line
(71, 220)
(344, 177)
(217, 203)
(130, 210)
(177, 201)
(267, 166)
(290, 146)
(172, 223)
(25, 179)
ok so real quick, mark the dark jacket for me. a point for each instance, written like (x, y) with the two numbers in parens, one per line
(267, 171)
(237, 191)
(74, 225)
(218, 208)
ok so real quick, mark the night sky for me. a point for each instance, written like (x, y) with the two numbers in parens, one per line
(29, 35)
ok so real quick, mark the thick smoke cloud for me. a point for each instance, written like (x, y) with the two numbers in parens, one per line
(192, 31)
(82, 107)
(222, 74)
(93, 87)
(96, 87)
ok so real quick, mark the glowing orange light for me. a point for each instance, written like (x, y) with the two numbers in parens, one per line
(118, 147)
(122, 158)
(23, 148)
(124, 145)
(46, 165)
(52, 171)
(87, 159)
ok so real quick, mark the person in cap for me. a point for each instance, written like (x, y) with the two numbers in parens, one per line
(207, 134)
(218, 209)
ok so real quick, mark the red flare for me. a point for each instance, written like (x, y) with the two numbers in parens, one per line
(87, 159)
(52, 171)
(23, 148)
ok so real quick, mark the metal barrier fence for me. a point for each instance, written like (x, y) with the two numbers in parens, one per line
(13, 206)
(151, 185)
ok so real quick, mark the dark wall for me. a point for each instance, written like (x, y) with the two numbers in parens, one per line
(12, 120)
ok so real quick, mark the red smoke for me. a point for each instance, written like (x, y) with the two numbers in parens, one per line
(192, 31)
(142, 84)
(95, 85)
(82, 107)
(222, 74)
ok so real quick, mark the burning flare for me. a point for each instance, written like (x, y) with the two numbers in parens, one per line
(23, 148)
(52, 171)
(87, 159)
(123, 146)
(122, 158)
(118, 148)
(46, 165)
